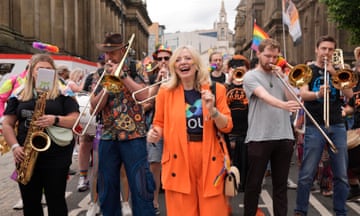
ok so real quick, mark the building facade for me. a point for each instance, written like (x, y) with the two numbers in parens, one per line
(268, 15)
(75, 26)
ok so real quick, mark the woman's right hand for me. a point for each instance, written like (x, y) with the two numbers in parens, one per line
(153, 135)
(18, 154)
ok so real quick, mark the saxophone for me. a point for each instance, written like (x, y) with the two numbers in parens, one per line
(36, 141)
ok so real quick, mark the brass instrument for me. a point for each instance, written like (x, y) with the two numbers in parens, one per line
(238, 74)
(299, 76)
(147, 88)
(326, 95)
(344, 78)
(36, 141)
(111, 83)
(4, 147)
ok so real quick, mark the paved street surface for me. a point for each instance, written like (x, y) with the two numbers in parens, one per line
(78, 202)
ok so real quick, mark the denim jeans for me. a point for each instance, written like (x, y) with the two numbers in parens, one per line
(132, 153)
(314, 143)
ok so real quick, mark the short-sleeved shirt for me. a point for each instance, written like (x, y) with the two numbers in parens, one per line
(316, 107)
(239, 106)
(55, 156)
(266, 122)
(122, 117)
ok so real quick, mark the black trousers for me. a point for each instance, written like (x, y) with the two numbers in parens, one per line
(51, 182)
(238, 156)
(279, 152)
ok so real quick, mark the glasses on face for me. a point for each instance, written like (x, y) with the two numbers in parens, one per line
(165, 58)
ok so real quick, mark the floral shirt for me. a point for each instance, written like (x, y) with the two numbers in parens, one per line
(123, 119)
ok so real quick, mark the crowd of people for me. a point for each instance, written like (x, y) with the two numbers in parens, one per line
(177, 123)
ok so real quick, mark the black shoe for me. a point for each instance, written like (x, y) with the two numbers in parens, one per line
(71, 172)
(354, 194)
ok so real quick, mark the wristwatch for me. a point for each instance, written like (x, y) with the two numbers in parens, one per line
(56, 122)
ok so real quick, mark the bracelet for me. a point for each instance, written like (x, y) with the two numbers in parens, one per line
(14, 146)
(317, 95)
(215, 114)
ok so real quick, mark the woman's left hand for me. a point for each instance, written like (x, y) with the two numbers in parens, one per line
(45, 121)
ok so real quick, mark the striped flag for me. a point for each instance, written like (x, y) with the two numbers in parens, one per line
(291, 18)
(258, 36)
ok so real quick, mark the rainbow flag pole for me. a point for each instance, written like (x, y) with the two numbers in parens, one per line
(258, 36)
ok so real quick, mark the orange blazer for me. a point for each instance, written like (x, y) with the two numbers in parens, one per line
(170, 116)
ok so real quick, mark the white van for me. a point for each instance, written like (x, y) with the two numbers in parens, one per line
(13, 64)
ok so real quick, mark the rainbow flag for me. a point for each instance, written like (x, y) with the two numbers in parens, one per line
(258, 36)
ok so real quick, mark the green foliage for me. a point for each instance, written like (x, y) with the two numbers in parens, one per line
(346, 14)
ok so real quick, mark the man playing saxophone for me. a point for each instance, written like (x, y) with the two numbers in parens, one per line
(30, 112)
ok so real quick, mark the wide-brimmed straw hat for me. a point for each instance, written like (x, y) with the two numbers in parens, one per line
(111, 43)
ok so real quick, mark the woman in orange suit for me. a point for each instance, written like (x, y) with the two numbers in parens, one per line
(188, 118)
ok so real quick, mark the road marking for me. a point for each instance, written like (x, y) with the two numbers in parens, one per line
(354, 206)
(318, 206)
(265, 196)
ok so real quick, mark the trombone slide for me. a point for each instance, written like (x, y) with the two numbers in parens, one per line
(291, 90)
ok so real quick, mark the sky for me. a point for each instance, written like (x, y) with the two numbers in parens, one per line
(190, 15)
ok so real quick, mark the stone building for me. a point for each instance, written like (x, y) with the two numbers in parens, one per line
(268, 14)
(75, 26)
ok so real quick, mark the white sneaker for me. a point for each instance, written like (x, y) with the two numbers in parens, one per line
(291, 185)
(19, 205)
(83, 184)
(93, 210)
(126, 209)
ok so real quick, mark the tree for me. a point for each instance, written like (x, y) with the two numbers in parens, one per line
(345, 13)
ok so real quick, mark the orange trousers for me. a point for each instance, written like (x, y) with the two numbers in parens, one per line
(195, 204)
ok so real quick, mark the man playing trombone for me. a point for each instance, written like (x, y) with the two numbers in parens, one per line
(123, 135)
(314, 94)
(269, 135)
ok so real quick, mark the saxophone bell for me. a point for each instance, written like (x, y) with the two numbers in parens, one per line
(40, 141)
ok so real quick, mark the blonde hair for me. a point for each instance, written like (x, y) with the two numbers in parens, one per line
(76, 74)
(29, 85)
(202, 75)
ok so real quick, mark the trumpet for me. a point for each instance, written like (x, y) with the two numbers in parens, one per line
(111, 83)
(238, 74)
(300, 75)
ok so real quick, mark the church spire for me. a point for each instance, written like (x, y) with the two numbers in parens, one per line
(223, 12)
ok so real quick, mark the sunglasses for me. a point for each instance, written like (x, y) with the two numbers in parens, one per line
(166, 58)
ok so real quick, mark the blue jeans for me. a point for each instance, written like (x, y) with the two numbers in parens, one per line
(132, 153)
(314, 143)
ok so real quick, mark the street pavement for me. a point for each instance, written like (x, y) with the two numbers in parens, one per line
(78, 202)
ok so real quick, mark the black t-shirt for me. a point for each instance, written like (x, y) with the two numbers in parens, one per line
(55, 156)
(239, 107)
(194, 117)
(220, 79)
(316, 107)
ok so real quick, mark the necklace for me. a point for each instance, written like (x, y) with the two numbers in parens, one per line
(270, 81)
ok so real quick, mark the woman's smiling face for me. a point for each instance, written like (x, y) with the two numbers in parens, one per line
(184, 65)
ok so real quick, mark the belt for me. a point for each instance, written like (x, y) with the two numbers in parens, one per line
(195, 137)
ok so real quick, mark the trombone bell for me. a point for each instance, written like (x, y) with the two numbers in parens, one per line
(300, 75)
(345, 78)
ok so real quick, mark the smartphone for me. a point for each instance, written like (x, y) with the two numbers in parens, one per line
(45, 79)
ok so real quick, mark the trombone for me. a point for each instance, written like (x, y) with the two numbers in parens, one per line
(111, 83)
(300, 75)
(147, 88)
